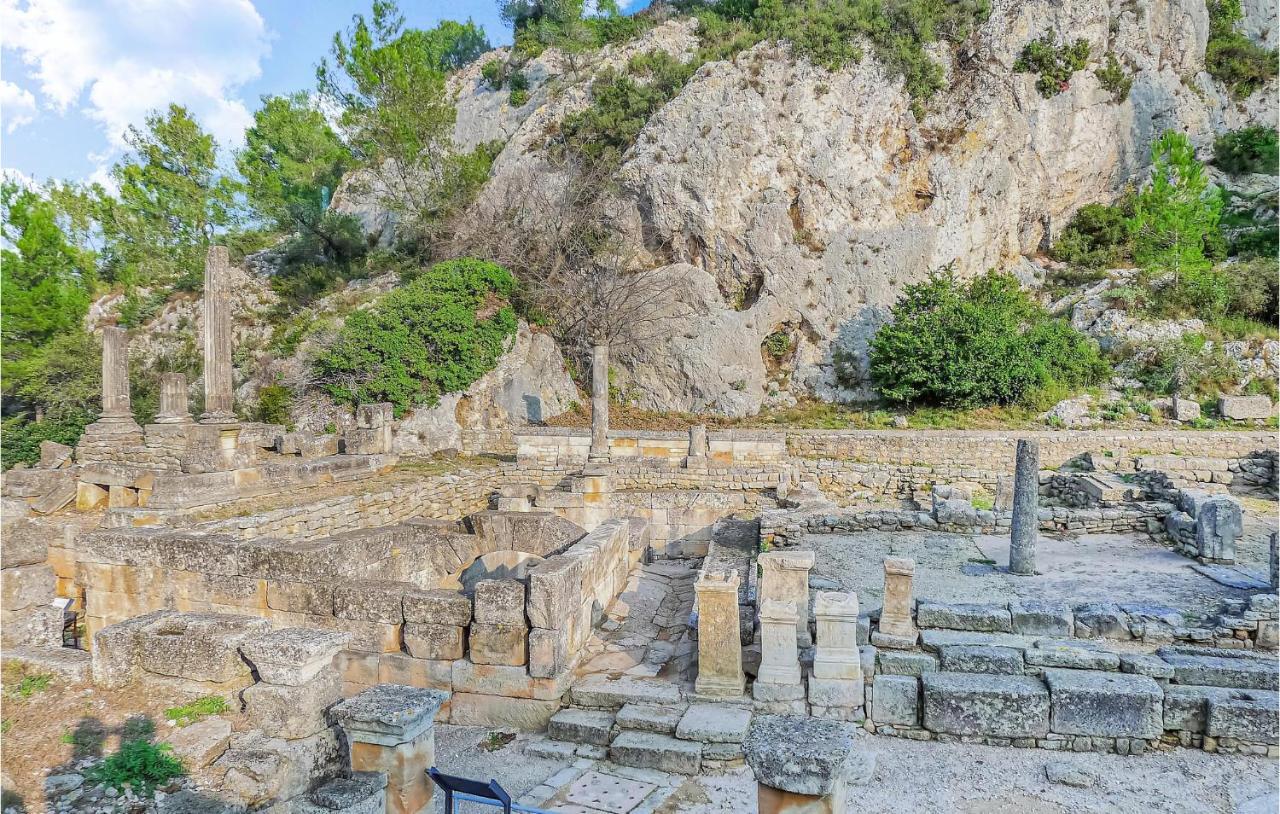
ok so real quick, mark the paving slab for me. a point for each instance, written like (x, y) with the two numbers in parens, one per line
(598, 791)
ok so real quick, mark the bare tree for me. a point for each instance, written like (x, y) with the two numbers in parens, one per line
(556, 231)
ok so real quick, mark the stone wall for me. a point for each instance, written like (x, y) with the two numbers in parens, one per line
(565, 446)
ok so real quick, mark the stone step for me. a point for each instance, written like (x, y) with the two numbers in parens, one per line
(650, 718)
(581, 726)
(714, 723)
(649, 750)
(599, 691)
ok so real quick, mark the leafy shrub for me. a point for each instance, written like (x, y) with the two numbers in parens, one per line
(274, 404)
(437, 334)
(141, 765)
(983, 342)
(1254, 288)
(1250, 149)
(197, 710)
(492, 73)
(1186, 365)
(1097, 236)
(1114, 78)
(778, 344)
(1231, 57)
(1053, 62)
(519, 89)
(20, 437)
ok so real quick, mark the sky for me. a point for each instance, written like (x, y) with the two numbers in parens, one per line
(75, 74)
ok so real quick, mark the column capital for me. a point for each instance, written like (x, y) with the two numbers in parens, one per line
(836, 605)
(389, 714)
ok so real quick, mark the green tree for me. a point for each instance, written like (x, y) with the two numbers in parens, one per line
(984, 342)
(436, 335)
(46, 279)
(1175, 218)
(172, 201)
(390, 84)
(1230, 56)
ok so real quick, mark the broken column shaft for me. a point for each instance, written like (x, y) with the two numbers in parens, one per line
(1026, 508)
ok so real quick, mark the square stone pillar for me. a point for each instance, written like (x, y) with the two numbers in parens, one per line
(390, 728)
(778, 680)
(719, 636)
(219, 389)
(836, 683)
(897, 629)
(173, 400)
(697, 455)
(298, 683)
(784, 577)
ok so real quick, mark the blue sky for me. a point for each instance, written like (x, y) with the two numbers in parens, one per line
(74, 74)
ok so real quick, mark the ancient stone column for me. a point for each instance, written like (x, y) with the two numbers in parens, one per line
(219, 394)
(115, 377)
(897, 629)
(697, 456)
(779, 655)
(784, 576)
(719, 636)
(599, 451)
(391, 728)
(836, 682)
(173, 400)
(1275, 560)
(1026, 509)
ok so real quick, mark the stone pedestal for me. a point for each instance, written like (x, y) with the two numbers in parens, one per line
(778, 679)
(219, 389)
(173, 400)
(719, 641)
(897, 629)
(697, 455)
(837, 665)
(372, 433)
(804, 765)
(599, 451)
(1026, 509)
(784, 577)
(390, 728)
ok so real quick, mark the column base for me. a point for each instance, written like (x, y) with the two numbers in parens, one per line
(218, 418)
(715, 687)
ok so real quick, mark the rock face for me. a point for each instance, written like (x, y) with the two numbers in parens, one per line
(783, 197)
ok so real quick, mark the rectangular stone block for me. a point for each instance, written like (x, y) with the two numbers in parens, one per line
(293, 656)
(549, 652)
(906, 662)
(292, 712)
(437, 607)
(1068, 655)
(499, 602)
(1097, 704)
(896, 700)
(649, 750)
(987, 705)
(581, 726)
(1034, 617)
(430, 641)
(1244, 408)
(498, 644)
(399, 668)
(981, 659)
(984, 618)
(1248, 715)
(523, 714)
(26, 586)
(1244, 671)
(301, 597)
(369, 601)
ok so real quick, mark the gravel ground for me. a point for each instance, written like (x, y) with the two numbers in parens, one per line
(937, 778)
(463, 751)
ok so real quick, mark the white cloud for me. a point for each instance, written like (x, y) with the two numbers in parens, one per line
(17, 106)
(117, 60)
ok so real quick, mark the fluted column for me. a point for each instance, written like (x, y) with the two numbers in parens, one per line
(115, 377)
(173, 400)
(219, 395)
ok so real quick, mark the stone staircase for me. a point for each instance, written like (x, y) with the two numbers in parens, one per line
(647, 724)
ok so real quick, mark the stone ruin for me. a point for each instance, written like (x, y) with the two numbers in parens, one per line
(659, 609)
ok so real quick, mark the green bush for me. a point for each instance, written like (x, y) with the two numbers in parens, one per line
(778, 344)
(1114, 78)
(141, 765)
(274, 404)
(20, 437)
(519, 89)
(436, 335)
(492, 73)
(1231, 57)
(1255, 288)
(1097, 236)
(1250, 149)
(1053, 62)
(984, 342)
(1186, 365)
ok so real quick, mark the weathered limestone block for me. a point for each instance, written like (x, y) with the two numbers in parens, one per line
(1104, 704)
(117, 650)
(26, 586)
(720, 672)
(499, 602)
(311, 446)
(437, 607)
(989, 705)
(1219, 523)
(293, 656)
(555, 591)
(293, 711)
(1101, 620)
(370, 601)
(1070, 655)
(784, 577)
(549, 652)
(1248, 715)
(499, 644)
(896, 700)
(365, 793)
(201, 743)
(23, 543)
(804, 764)
(400, 668)
(374, 416)
(649, 750)
(1218, 670)
(981, 659)
(357, 441)
(37, 626)
(314, 598)
(988, 618)
(780, 658)
(199, 646)
(54, 455)
(258, 770)
(1037, 617)
(897, 629)
(429, 641)
(1245, 408)
(391, 728)
(581, 726)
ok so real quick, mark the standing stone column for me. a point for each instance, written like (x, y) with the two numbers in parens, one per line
(1275, 560)
(697, 457)
(778, 679)
(897, 629)
(785, 577)
(219, 394)
(599, 451)
(115, 378)
(391, 728)
(837, 668)
(1026, 509)
(173, 400)
(719, 636)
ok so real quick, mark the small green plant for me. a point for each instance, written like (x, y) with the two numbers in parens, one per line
(1114, 78)
(519, 89)
(140, 765)
(983, 502)
(492, 73)
(1249, 149)
(1053, 62)
(496, 740)
(197, 710)
(32, 684)
(274, 403)
(67, 737)
(778, 344)
(5, 726)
